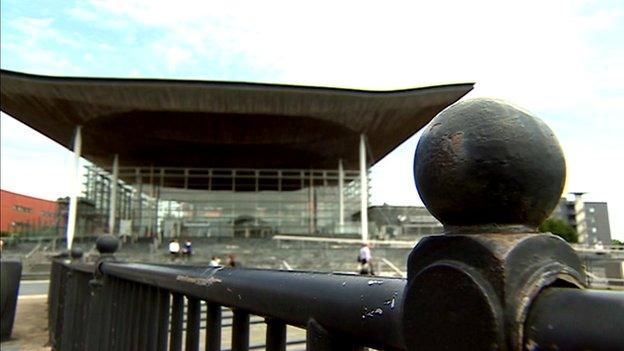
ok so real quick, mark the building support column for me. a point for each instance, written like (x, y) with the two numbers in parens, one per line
(75, 189)
(150, 204)
(341, 196)
(580, 219)
(363, 189)
(311, 210)
(113, 196)
(137, 220)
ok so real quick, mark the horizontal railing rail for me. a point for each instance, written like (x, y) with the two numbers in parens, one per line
(365, 310)
(549, 321)
(152, 306)
(369, 307)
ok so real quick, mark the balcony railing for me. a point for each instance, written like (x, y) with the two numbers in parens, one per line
(490, 172)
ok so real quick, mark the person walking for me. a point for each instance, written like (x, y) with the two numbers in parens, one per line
(365, 260)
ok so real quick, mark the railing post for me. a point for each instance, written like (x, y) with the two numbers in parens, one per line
(193, 321)
(275, 335)
(10, 281)
(491, 173)
(164, 307)
(98, 334)
(213, 327)
(177, 322)
(240, 330)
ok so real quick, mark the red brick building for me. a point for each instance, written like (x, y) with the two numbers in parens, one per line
(21, 213)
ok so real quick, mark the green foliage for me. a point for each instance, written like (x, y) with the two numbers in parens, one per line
(560, 228)
(616, 242)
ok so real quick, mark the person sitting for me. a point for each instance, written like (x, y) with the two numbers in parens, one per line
(188, 248)
(215, 262)
(231, 262)
(174, 248)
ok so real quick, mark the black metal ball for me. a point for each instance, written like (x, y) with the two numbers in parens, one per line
(107, 244)
(484, 162)
(75, 253)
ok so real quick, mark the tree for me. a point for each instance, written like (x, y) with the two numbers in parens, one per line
(559, 228)
(616, 242)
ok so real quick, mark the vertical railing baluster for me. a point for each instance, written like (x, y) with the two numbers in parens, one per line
(127, 312)
(135, 315)
(103, 304)
(164, 306)
(61, 305)
(69, 311)
(144, 314)
(111, 342)
(124, 294)
(151, 331)
(85, 295)
(275, 335)
(193, 320)
(111, 289)
(122, 317)
(54, 293)
(177, 320)
(131, 313)
(213, 327)
(240, 331)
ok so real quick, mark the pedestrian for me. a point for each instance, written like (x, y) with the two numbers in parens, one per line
(365, 260)
(231, 261)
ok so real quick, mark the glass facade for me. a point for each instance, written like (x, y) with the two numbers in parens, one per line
(173, 202)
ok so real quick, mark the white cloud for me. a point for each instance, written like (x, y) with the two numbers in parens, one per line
(82, 14)
(541, 55)
(32, 164)
(31, 57)
(174, 55)
(29, 43)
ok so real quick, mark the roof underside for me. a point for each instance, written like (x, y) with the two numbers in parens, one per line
(176, 123)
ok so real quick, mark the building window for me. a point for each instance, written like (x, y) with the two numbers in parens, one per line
(20, 225)
(19, 208)
(592, 210)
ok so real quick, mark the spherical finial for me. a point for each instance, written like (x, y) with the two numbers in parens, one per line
(107, 244)
(75, 253)
(485, 163)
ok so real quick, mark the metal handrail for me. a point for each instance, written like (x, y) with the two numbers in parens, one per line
(369, 307)
(550, 324)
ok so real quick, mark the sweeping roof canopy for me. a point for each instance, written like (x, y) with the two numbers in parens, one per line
(186, 123)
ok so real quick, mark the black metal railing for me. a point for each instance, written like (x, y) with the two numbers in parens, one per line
(490, 172)
(151, 307)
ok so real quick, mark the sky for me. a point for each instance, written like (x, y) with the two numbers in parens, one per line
(561, 60)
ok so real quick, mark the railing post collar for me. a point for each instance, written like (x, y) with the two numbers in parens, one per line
(107, 245)
(491, 173)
